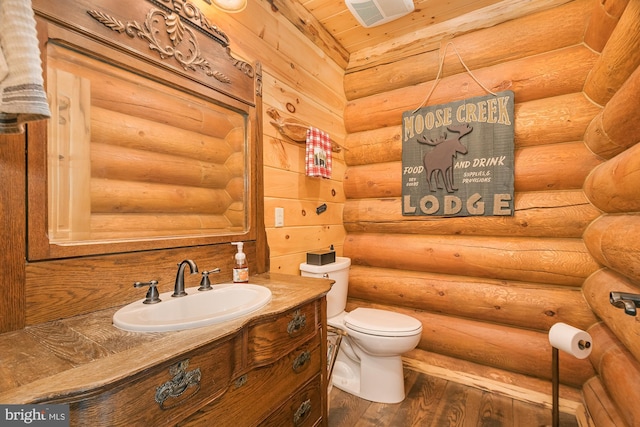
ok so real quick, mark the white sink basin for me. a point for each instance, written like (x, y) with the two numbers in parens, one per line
(199, 308)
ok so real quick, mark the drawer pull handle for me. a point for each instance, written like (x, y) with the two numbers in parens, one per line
(300, 362)
(303, 412)
(297, 323)
(175, 387)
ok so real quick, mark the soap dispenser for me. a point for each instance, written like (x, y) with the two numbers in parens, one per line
(240, 269)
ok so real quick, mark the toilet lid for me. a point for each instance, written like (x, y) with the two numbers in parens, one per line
(381, 322)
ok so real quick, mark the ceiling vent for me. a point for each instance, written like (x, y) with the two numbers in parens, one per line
(371, 13)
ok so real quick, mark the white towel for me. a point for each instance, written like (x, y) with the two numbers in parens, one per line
(22, 95)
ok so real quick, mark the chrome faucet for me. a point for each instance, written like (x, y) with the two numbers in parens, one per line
(179, 286)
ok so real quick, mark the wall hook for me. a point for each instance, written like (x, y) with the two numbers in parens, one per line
(629, 302)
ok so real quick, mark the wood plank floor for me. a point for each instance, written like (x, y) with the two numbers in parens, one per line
(434, 402)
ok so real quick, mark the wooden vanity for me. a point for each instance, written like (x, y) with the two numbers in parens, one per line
(266, 368)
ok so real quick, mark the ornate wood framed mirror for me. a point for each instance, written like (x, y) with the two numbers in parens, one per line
(153, 136)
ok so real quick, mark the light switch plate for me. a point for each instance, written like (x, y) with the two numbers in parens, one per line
(279, 217)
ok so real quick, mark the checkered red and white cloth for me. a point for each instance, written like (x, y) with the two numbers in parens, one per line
(318, 153)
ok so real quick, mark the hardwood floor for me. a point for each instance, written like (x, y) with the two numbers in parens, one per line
(434, 402)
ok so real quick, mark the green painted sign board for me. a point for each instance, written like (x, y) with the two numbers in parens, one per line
(457, 158)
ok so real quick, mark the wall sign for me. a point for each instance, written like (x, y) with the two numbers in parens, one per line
(457, 158)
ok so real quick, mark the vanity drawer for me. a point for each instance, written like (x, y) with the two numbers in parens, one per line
(251, 397)
(303, 409)
(270, 339)
(164, 394)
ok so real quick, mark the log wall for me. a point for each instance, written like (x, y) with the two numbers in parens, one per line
(487, 289)
(556, 259)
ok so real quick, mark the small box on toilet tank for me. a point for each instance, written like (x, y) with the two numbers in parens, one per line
(321, 257)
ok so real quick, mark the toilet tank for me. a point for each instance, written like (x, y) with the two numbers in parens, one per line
(338, 271)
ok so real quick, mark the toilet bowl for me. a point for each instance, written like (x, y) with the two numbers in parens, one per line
(369, 362)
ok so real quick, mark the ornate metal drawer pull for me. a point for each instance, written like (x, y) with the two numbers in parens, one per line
(300, 362)
(181, 381)
(297, 323)
(302, 413)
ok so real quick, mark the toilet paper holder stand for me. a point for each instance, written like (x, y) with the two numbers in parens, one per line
(555, 381)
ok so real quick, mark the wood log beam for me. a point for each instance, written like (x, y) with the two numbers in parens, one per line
(613, 186)
(615, 128)
(613, 241)
(619, 371)
(547, 167)
(533, 162)
(603, 20)
(537, 214)
(529, 78)
(557, 119)
(620, 57)
(516, 304)
(553, 167)
(563, 262)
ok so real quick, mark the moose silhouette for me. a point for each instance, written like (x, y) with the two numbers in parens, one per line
(319, 157)
(439, 161)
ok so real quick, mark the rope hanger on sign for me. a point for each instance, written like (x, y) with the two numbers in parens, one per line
(435, 82)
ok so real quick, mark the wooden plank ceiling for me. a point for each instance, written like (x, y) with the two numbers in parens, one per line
(330, 25)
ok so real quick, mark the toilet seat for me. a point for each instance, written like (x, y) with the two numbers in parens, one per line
(384, 323)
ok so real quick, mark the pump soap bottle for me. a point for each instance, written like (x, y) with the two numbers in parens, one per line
(240, 269)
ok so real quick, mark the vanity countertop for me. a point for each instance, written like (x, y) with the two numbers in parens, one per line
(72, 356)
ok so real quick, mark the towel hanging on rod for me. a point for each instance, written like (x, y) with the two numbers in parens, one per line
(318, 153)
(295, 129)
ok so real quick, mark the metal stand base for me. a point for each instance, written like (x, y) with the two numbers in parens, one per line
(555, 380)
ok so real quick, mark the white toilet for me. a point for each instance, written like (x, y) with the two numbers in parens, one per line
(369, 363)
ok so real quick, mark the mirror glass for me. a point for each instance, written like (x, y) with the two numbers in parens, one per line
(131, 158)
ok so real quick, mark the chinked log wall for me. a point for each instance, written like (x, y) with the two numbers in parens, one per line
(575, 194)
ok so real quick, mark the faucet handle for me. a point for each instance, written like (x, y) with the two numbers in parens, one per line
(152, 296)
(205, 284)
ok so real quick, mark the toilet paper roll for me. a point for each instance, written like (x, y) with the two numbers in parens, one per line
(570, 340)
